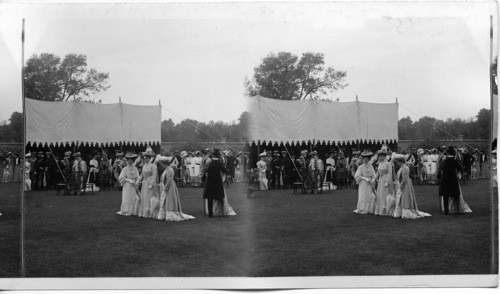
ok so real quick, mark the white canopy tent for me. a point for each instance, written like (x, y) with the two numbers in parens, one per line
(61, 123)
(296, 121)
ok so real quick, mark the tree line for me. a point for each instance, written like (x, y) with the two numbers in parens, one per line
(429, 128)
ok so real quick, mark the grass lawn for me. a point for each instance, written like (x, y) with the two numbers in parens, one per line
(10, 230)
(275, 234)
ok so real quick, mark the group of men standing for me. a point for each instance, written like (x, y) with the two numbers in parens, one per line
(282, 169)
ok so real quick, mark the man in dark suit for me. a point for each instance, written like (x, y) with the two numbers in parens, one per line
(467, 164)
(231, 165)
(52, 170)
(275, 170)
(214, 189)
(286, 169)
(448, 181)
(41, 169)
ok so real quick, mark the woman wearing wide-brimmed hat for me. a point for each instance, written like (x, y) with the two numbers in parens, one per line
(364, 176)
(262, 167)
(148, 179)
(130, 193)
(170, 208)
(384, 178)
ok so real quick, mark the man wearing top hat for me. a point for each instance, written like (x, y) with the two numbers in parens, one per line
(40, 169)
(205, 162)
(448, 181)
(214, 189)
(52, 170)
(275, 170)
(286, 169)
(231, 164)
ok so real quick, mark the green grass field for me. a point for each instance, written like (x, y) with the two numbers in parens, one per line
(275, 234)
(10, 230)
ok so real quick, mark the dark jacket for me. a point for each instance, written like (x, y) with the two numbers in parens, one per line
(214, 188)
(448, 186)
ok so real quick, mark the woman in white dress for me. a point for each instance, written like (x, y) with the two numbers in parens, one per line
(262, 167)
(196, 178)
(130, 194)
(364, 176)
(189, 164)
(170, 204)
(433, 161)
(148, 179)
(384, 178)
(27, 169)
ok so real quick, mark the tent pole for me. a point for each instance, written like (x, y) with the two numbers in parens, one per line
(54, 158)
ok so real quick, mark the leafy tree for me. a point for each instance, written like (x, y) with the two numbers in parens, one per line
(284, 76)
(192, 131)
(405, 128)
(482, 123)
(49, 78)
(12, 131)
(16, 123)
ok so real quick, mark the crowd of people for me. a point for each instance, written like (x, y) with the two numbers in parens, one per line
(384, 179)
(276, 169)
(151, 191)
(45, 170)
(423, 163)
(11, 166)
(148, 181)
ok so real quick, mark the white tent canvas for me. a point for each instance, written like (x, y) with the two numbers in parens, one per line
(77, 122)
(294, 121)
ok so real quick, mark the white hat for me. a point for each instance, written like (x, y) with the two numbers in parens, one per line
(149, 152)
(263, 154)
(27, 155)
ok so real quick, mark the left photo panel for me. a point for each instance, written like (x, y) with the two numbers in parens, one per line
(12, 156)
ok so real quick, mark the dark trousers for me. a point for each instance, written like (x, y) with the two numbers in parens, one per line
(446, 205)
(39, 180)
(210, 204)
(275, 181)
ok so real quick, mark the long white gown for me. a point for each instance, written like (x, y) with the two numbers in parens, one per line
(405, 205)
(262, 167)
(149, 183)
(27, 181)
(170, 203)
(384, 175)
(227, 211)
(363, 177)
(130, 198)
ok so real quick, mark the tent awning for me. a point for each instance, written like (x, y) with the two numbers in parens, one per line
(297, 121)
(59, 123)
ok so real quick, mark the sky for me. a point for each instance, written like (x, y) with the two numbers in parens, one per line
(194, 57)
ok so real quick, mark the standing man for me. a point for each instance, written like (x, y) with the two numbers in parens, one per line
(448, 186)
(275, 170)
(231, 165)
(286, 169)
(41, 168)
(51, 170)
(205, 162)
(214, 189)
